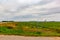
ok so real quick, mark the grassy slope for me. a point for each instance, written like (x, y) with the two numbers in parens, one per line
(32, 29)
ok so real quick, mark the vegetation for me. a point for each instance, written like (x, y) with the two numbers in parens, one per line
(30, 28)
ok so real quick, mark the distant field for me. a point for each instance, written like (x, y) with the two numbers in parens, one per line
(30, 28)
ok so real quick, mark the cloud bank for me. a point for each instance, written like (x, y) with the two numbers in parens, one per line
(30, 10)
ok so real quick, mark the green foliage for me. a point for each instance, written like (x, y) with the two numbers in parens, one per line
(39, 29)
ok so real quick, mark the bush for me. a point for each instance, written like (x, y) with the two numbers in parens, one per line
(10, 27)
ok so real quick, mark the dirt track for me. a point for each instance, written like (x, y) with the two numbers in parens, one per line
(5, 37)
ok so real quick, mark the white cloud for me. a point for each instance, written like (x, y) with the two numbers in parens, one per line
(9, 9)
(53, 17)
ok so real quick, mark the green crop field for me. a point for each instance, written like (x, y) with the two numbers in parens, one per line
(30, 28)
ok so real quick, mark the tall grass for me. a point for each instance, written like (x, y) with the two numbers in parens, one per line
(32, 29)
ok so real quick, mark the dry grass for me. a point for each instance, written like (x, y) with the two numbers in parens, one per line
(9, 24)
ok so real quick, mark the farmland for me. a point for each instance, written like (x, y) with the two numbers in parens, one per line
(30, 28)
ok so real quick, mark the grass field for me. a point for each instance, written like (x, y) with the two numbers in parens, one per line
(30, 28)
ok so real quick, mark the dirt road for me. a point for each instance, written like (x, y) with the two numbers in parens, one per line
(6, 37)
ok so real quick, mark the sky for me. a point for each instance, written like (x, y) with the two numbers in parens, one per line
(29, 10)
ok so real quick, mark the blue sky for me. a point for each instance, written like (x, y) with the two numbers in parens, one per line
(30, 10)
